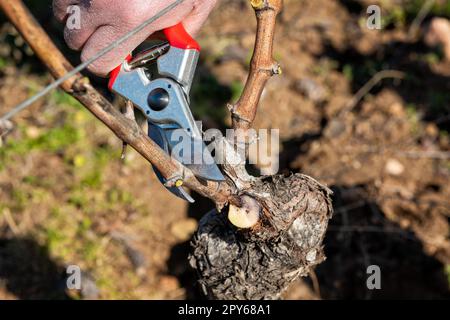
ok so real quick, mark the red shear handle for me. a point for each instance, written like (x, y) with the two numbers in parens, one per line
(115, 73)
(179, 38)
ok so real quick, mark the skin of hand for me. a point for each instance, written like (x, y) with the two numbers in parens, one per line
(104, 21)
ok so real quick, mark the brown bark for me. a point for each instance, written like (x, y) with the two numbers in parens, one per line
(262, 65)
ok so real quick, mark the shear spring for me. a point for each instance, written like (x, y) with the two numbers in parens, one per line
(149, 56)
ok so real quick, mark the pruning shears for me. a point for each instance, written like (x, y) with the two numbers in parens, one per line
(158, 82)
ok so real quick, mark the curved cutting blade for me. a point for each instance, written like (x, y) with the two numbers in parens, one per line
(157, 135)
(192, 153)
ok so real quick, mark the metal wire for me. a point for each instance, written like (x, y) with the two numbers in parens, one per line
(85, 64)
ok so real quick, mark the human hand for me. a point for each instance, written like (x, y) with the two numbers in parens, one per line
(104, 21)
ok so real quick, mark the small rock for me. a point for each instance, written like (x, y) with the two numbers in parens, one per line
(432, 130)
(335, 128)
(135, 256)
(5, 126)
(394, 167)
(397, 110)
(183, 230)
(234, 52)
(137, 259)
(438, 34)
(405, 223)
(169, 283)
(356, 165)
(33, 132)
(89, 289)
(311, 89)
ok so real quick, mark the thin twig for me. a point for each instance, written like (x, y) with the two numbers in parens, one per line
(128, 112)
(315, 283)
(10, 221)
(441, 155)
(262, 66)
(393, 149)
(415, 25)
(384, 74)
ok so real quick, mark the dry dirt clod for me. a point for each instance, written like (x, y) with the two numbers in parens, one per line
(335, 129)
(397, 110)
(183, 230)
(137, 259)
(135, 255)
(311, 90)
(169, 283)
(89, 289)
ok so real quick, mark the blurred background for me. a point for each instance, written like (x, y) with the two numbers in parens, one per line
(365, 111)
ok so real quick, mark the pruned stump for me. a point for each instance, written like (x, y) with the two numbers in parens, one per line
(260, 263)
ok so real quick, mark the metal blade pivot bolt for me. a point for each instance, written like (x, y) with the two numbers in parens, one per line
(158, 99)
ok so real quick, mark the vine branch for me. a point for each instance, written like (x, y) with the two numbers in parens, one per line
(262, 66)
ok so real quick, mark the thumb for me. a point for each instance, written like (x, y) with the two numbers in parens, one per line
(195, 20)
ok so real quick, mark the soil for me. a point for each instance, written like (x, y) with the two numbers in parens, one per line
(67, 198)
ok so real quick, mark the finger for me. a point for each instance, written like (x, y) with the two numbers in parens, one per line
(107, 34)
(194, 21)
(60, 8)
(76, 33)
(103, 37)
